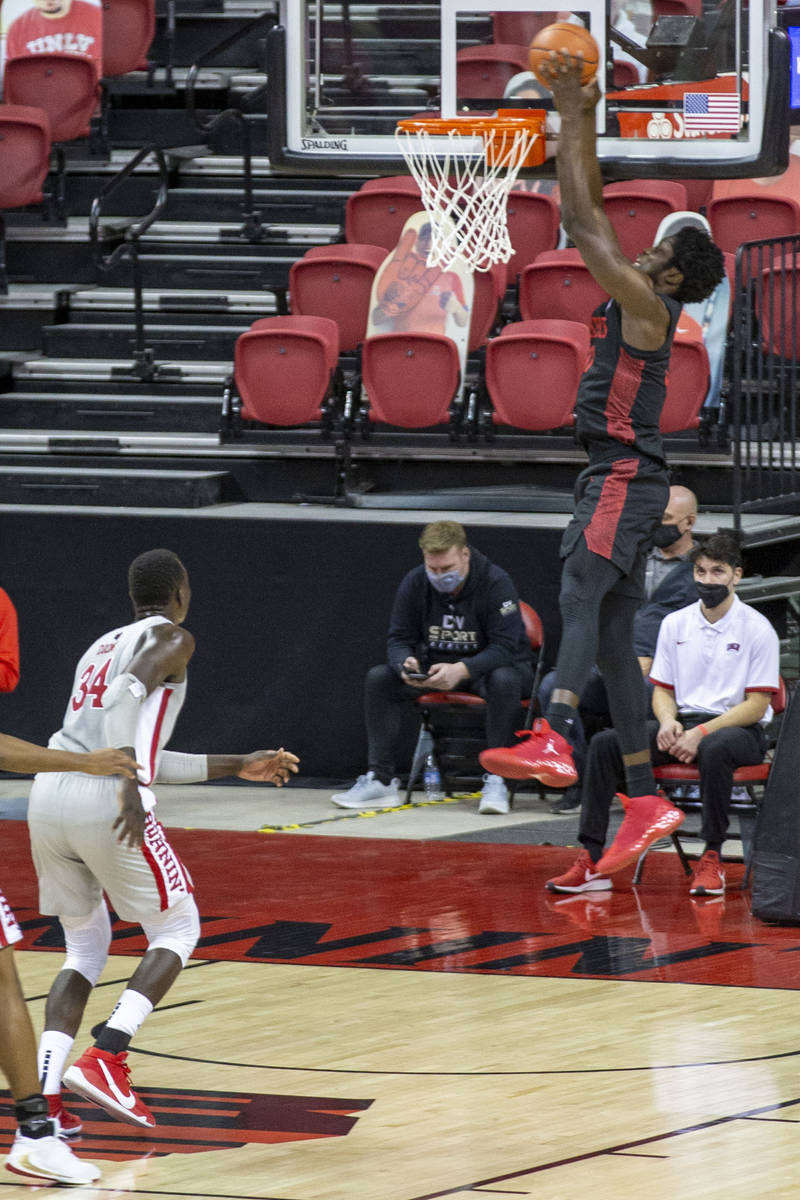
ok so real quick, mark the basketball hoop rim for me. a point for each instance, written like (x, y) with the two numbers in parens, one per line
(471, 125)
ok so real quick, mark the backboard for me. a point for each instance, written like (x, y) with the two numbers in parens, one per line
(693, 88)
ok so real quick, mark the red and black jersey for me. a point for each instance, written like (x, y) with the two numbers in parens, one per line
(622, 390)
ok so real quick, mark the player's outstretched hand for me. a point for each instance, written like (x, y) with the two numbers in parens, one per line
(269, 766)
(109, 762)
(563, 74)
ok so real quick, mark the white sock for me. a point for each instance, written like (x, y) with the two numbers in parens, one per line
(132, 1009)
(54, 1048)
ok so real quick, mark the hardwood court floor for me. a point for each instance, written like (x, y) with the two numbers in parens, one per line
(373, 1018)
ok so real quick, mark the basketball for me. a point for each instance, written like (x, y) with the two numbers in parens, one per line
(569, 38)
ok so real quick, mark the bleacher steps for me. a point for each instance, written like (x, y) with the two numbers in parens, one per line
(120, 488)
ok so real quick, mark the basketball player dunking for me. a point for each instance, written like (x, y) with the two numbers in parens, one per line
(620, 496)
(92, 836)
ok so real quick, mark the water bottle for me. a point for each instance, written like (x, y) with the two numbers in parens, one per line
(432, 780)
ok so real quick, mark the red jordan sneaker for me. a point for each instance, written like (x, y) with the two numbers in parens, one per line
(105, 1079)
(647, 818)
(542, 754)
(68, 1124)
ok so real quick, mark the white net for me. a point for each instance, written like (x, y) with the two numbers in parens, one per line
(464, 179)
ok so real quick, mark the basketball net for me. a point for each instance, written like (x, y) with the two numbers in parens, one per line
(465, 191)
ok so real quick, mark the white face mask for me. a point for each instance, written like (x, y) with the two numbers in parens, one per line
(448, 582)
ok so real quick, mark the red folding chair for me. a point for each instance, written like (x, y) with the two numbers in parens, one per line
(637, 207)
(377, 212)
(66, 86)
(410, 379)
(129, 27)
(533, 227)
(532, 373)
(25, 155)
(483, 71)
(752, 217)
(285, 370)
(675, 778)
(559, 285)
(336, 282)
(453, 706)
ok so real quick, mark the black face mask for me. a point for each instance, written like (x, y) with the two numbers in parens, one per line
(666, 535)
(712, 594)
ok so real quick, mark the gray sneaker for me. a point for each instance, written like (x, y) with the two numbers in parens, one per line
(494, 797)
(369, 792)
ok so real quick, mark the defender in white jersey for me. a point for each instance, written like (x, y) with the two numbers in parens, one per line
(92, 837)
(37, 1152)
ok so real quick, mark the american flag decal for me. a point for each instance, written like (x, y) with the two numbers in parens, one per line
(712, 112)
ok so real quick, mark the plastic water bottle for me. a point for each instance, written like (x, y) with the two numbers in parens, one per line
(432, 780)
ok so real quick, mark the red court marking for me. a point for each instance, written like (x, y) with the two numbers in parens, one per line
(444, 906)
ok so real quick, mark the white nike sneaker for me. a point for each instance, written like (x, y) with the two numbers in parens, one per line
(369, 792)
(49, 1159)
(494, 797)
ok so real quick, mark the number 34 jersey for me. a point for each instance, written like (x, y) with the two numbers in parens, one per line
(108, 657)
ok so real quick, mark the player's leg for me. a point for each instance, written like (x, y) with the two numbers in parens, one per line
(37, 1152)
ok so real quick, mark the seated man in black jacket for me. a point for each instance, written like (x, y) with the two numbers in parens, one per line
(456, 626)
(669, 585)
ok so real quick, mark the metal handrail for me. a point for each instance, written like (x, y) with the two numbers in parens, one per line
(128, 247)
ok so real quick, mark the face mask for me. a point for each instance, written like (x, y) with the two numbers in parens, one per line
(445, 583)
(666, 535)
(712, 594)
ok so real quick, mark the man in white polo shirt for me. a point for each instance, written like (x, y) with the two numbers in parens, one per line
(715, 669)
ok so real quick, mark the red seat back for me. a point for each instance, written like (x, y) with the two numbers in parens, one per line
(327, 282)
(410, 378)
(687, 383)
(283, 368)
(129, 27)
(376, 214)
(778, 308)
(533, 370)
(751, 217)
(484, 71)
(64, 85)
(637, 208)
(558, 284)
(519, 28)
(489, 290)
(24, 153)
(533, 224)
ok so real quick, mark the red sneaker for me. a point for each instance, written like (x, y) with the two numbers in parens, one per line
(105, 1079)
(542, 754)
(647, 818)
(581, 877)
(68, 1124)
(708, 878)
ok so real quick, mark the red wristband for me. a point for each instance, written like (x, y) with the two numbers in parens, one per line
(704, 730)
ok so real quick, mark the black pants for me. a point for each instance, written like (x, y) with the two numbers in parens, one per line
(385, 694)
(719, 754)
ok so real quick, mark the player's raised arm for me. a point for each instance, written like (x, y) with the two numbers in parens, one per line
(581, 199)
(26, 758)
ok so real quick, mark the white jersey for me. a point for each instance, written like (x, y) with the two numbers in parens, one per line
(108, 657)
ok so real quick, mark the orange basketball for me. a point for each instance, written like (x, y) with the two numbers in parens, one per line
(569, 38)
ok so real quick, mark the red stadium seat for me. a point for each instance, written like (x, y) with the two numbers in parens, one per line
(519, 28)
(625, 73)
(558, 284)
(490, 287)
(777, 304)
(129, 27)
(532, 373)
(433, 705)
(25, 154)
(752, 217)
(687, 381)
(533, 226)
(377, 212)
(674, 778)
(637, 208)
(336, 282)
(484, 71)
(285, 369)
(66, 86)
(410, 379)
